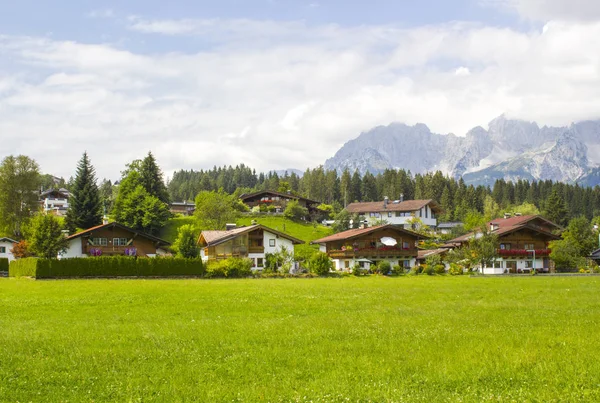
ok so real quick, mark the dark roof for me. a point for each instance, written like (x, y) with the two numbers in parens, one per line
(354, 233)
(7, 240)
(595, 254)
(116, 224)
(213, 238)
(510, 225)
(378, 206)
(273, 193)
(449, 224)
(61, 191)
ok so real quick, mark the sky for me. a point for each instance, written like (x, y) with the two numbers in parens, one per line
(278, 84)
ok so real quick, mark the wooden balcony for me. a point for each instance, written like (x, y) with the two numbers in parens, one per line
(256, 249)
(507, 253)
(372, 252)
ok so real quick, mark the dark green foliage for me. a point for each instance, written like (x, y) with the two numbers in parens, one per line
(151, 178)
(106, 266)
(320, 263)
(3, 264)
(186, 243)
(230, 268)
(85, 205)
(398, 270)
(215, 209)
(46, 238)
(556, 209)
(295, 212)
(19, 186)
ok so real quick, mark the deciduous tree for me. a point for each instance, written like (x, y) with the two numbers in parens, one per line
(46, 238)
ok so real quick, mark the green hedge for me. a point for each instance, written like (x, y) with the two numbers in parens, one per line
(106, 266)
(3, 264)
(23, 267)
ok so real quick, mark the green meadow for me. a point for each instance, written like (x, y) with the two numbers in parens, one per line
(348, 339)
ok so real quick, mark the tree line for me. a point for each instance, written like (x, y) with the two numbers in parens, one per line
(456, 198)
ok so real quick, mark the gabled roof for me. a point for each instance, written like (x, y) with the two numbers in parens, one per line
(61, 191)
(423, 254)
(510, 225)
(6, 239)
(89, 231)
(273, 193)
(378, 206)
(213, 238)
(595, 254)
(354, 233)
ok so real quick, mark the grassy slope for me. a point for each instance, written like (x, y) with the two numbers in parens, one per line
(364, 339)
(305, 232)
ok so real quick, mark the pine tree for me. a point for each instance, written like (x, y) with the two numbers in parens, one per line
(151, 178)
(85, 205)
(556, 210)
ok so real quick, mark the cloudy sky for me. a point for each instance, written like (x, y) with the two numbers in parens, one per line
(279, 83)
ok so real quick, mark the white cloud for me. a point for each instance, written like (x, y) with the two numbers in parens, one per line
(102, 13)
(546, 10)
(279, 95)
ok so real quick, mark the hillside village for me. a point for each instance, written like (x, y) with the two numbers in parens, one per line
(281, 231)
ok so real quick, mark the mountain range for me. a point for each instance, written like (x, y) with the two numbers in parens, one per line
(509, 149)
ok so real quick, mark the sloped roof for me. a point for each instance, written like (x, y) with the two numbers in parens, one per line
(423, 254)
(509, 225)
(353, 233)
(378, 206)
(213, 238)
(595, 254)
(6, 239)
(273, 193)
(117, 225)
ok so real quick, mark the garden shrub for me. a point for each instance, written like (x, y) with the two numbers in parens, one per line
(357, 270)
(455, 270)
(429, 270)
(229, 268)
(398, 270)
(439, 269)
(320, 263)
(3, 264)
(384, 267)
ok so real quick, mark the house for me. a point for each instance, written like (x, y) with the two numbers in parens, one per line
(425, 253)
(368, 246)
(277, 199)
(397, 212)
(523, 243)
(252, 242)
(185, 208)
(445, 228)
(112, 239)
(6, 244)
(55, 201)
(595, 256)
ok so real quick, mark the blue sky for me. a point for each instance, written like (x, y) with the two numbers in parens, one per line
(277, 84)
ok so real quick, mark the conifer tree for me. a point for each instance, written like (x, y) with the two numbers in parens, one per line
(85, 206)
(556, 210)
(151, 178)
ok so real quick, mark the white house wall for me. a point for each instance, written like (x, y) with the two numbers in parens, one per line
(73, 249)
(7, 246)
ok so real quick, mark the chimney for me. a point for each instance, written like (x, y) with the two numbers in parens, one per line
(104, 219)
(364, 224)
(518, 214)
(385, 202)
(401, 197)
(229, 227)
(506, 215)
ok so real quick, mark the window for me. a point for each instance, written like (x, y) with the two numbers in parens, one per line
(421, 213)
(347, 264)
(389, 214)
(505, 246)
(100, 241)
(529, 246)
(405, 245)
(2, 249)
(259, 262)
(426, 212)
(272, 243)
(406, 263)
(528, 264)
(374, 215)
(119, 241)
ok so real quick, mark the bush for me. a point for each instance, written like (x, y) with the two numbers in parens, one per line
(295, 212)
(320, 263)
(439, 269)
(384, 267)
(429, 270)
(398, 270)
(106, 266)
(357, 270)
(455, 270)
(417, 270)
(3, 264)
(229, 268)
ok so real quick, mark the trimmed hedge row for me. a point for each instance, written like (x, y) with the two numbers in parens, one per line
(106, 266)
(3, 264)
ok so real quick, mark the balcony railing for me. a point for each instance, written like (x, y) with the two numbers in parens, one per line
(366, 252)
(523, 252)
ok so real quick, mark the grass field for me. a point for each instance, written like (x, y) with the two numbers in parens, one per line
(322, 340)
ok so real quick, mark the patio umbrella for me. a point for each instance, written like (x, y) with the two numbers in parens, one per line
(388, 241)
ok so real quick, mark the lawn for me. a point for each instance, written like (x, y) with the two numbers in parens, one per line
(322, 340)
